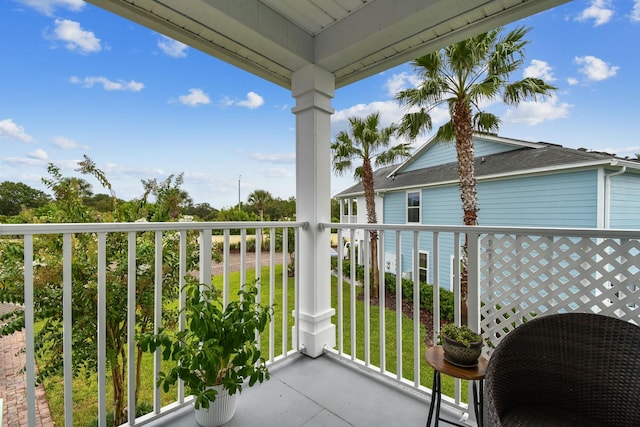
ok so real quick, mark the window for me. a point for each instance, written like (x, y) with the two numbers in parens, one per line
(423, 267)
(413, 206)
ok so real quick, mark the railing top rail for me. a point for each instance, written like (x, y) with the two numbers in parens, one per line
(118, 227)
(480, 230)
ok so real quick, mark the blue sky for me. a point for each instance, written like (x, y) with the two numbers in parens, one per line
(76, 80)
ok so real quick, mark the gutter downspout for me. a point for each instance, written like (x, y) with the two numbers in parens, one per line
(607, 193)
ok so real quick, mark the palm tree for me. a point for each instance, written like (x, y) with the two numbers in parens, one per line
(367, 144)
(462, 76)
(259, 198)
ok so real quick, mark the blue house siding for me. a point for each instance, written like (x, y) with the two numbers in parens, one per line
(441, 153)
(625, 202)
(440, 205)
(559, 200)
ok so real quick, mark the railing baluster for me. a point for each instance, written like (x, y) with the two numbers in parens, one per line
(382, 305)
(29, 330)
(272, 290)
(102, 329)
(367, 298)
(67, 329)
(399, 313)
(352, 289)
(436, 288)
(417, 344)
(225, 273)
(182, 319)
(340, 287)
(285, 291)
(296, 285)
(205, 256)
(157, 317)
(243, 257)
(131, 327)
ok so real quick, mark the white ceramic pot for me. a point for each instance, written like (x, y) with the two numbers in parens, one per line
(220, 411)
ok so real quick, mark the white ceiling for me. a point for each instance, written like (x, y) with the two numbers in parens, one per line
(352, 39)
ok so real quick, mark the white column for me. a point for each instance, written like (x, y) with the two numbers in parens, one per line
(313, 88)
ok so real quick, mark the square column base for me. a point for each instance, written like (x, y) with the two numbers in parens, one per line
(316, 333)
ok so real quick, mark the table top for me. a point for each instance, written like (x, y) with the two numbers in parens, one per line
(435, 358)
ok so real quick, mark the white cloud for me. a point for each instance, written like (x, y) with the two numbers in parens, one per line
(539, 69)
(390, 112)
(38, 154)
(635, 12)
(599, 11)
(77, 39)
(118, 169)
(22, 161)
(195, 97)
(401, 81)
(48, 7)
(572, 81)
(276, 172)
(595, 69)
(274, 158)
(531, 113)
(172, 47)
(11, 130)
(65, 143)
(252, 101)
(108, 85)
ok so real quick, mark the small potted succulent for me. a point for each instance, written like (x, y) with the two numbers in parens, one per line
(462, 346)
(216, 352)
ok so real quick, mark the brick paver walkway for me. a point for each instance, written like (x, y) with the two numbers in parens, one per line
(13, 390)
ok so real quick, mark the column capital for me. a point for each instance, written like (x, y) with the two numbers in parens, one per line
(313, 87)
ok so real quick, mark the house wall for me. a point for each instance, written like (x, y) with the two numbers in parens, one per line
(567, 199)
(556, 200)
(625, 201)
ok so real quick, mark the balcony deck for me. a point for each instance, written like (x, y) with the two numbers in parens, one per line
(323, 392)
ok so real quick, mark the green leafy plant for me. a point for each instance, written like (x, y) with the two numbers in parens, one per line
(462, 334)
(218, 346)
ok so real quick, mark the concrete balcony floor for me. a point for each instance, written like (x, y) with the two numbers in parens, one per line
(322, 392)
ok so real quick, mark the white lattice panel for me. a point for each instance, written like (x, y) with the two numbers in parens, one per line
(526, 276)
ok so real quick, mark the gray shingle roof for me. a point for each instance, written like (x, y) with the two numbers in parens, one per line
(511, 162)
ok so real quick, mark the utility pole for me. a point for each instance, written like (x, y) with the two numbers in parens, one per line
(239, 202)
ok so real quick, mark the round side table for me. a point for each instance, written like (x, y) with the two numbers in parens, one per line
(435, 358)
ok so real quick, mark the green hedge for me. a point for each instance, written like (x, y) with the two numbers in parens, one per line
(426, 290)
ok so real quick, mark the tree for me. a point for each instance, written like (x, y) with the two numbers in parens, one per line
(259, 198)
(15, 195)
(463, 76)
(68, 207)
(366, 144)
(170, 198)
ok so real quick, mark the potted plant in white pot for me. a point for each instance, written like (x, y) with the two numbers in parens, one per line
(216, 352)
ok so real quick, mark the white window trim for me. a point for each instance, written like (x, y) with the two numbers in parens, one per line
(406, 207)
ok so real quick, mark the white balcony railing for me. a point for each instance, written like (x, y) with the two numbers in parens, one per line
(27, 238)
(513, 274)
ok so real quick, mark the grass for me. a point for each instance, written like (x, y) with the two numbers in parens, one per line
(85, 391)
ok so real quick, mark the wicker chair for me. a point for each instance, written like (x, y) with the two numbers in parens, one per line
(574, 369)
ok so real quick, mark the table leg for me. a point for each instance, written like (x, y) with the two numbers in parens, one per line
(477, 401)
(436, 395)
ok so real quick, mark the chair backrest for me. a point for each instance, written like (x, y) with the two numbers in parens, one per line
(584, 363)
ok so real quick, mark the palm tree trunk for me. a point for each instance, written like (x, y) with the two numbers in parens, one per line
(468, 193)
(367, 182)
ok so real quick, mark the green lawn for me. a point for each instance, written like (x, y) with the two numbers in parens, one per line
(85, 388)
